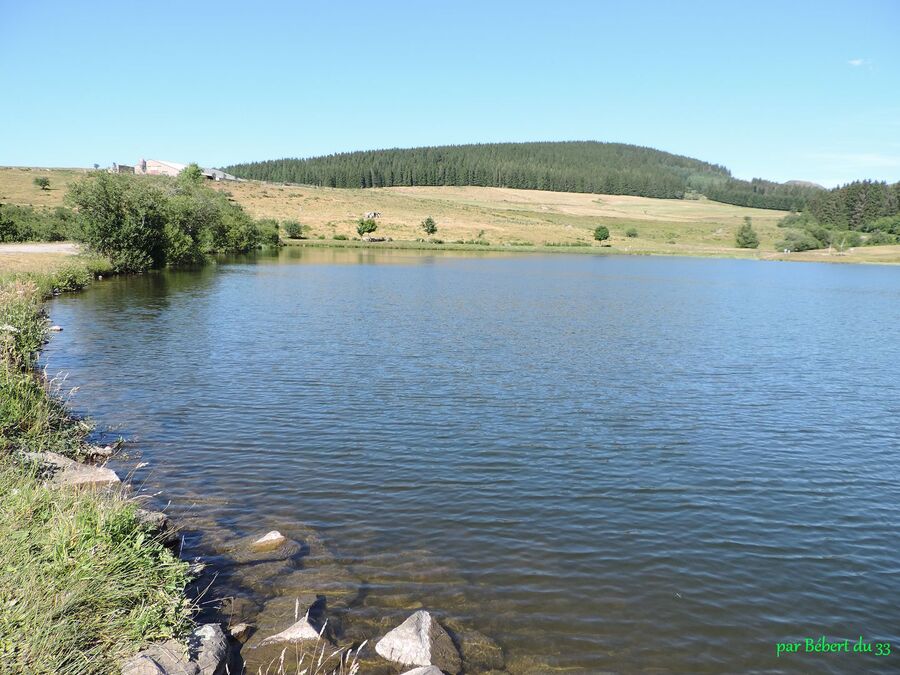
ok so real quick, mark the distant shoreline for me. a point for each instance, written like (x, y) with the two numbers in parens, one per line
(805, 256)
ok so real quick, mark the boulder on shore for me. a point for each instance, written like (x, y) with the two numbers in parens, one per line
(166, 658)
(420, 641)
(67, 472)
(424, 670)
(207, 654)
(208, 648)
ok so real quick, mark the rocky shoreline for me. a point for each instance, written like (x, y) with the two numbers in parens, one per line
(323, 617)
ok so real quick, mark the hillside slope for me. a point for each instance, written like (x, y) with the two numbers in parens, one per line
(572, 166)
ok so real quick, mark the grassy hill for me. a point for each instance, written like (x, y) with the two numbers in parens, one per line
(575, 166)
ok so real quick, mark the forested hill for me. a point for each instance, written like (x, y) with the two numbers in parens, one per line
(575, 166)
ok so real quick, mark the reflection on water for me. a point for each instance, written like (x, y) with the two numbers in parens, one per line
(601, 463)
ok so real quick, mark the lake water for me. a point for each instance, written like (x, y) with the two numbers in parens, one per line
(616, 464)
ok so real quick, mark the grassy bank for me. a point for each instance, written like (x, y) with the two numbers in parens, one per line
(83, 583)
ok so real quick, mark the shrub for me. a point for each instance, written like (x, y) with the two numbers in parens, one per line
(25, 223)
(746, 237)
(797, 220)
(141, 222)
(601, 233)
(879, 238)
(42, 182)
(798, 241)
(429, 226)
(889, 224)
(631, 232)
(340, 237)
(294, 229)
(366, 226)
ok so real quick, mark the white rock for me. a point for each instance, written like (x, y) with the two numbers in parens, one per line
(420, 641)
(55, 329)
(69, 473)
(424, 670)
(302, 630)
(208, 647)
(271, 540)
(82, 475)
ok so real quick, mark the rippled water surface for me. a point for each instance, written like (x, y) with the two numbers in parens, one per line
(601, 463)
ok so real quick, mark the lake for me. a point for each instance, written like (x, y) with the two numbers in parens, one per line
(601, 463)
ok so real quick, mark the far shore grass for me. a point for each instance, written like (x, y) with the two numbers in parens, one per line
(83, 585)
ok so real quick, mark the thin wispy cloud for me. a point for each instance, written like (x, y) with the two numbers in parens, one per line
(856, 63)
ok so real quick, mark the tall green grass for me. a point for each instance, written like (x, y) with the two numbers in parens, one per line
(83, 585)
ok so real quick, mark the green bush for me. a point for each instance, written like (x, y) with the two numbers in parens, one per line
(746, 236)
(42, 182)
(888, 224)
(798, 220)
(366, 226)
(601, 233)
(340, 237)
(798, 241)
(294, 229)
(879, 238)
(631, 232)
(142, 222)
(26, 223)
(429, 226)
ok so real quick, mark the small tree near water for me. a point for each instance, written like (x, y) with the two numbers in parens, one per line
(601, 233)
(746, 236)
(429, 226)
(366, 226)
(42, 182)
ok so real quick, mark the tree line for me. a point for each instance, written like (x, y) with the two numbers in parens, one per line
(572, 166)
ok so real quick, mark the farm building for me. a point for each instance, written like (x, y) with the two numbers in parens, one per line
(158, 167)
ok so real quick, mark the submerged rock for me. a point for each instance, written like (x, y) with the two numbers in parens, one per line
(241, 631)
(479, 652)
(298, 632)
(420, 641)
(269, 541)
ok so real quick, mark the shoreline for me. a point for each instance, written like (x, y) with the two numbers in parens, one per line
(817, 256)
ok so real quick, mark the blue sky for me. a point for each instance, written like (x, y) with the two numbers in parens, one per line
(802, 90)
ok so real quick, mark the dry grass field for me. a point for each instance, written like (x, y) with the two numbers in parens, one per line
(505, 218)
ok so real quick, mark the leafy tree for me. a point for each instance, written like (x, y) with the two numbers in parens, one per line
(294, 229)
(601, 233)
(366, 226)
(42, 182)
(192, 174)
(429, 226)
(746, 237)
(122, 219)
